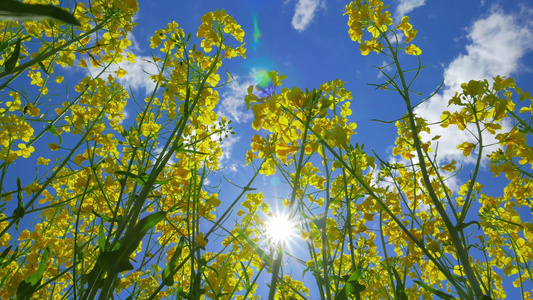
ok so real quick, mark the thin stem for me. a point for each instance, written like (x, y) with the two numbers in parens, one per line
(461, 252)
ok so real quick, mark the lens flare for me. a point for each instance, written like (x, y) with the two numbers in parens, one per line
(257, 33)
(265, 83)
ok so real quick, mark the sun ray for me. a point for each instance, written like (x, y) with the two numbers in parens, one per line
(280, 229)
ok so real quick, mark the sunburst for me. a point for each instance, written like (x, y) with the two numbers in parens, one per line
(280, 229)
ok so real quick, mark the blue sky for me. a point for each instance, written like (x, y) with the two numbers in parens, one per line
(307, 41)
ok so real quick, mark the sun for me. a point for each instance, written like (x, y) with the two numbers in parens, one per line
(280, 229)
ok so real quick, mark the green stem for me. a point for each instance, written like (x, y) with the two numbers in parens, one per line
(384, 207)
(461, 252)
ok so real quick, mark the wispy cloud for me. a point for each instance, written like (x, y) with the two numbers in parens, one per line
(406, 6)
(305, 12)
(226, 162)
(138, 77)
(232, 100)
(497, 45)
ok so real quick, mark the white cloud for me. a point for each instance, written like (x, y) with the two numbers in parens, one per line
(232, 103)
(227, 146)
(126, 114)
(138, 77)
(232, 168)
(159, 152)
(406, 6)
(387, 67)
(498, 42)
(305, 12)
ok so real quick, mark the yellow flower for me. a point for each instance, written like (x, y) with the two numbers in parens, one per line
(121, 73)
(183, 173)
(413, 50)
(404, 25)
(32, 110)
(36, 78)
(24, 151)
(200, 241)
(54, 146)
(450, 167)
(79, 159)
(130, 57)
(43, 161)
(213, 200)
(337, 137)
(466, 147)
(82, 63)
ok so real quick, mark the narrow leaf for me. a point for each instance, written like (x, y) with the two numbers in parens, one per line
(18, 11)
(11, 62)
(36, 278)
(103, 217)
(43, 67)
(434, 291)
(119, 260)
(53, 130)
(101, 238)
(19, 190)
(167, 278)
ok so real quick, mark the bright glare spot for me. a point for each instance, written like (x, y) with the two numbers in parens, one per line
(280, 229)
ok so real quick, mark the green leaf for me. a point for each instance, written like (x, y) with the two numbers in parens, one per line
(119, 260)
(127, 174)
(356, 274)
(434, 291)
(11, 62)
(140, 179)
(19, 189)
(341, 295)
(131, 175)
(101, 238)
(53, 130)
(18, 11)
(114, 261)
(35, 278)
(29, 286)
(167, 278)
(43, 67)
(25, 290)
(105, 218)
(320, 223)
(3, 257)
(191, 151)
(5, 253)
(352, 287)
(399, 293)
(19, 212)
(181, 148)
